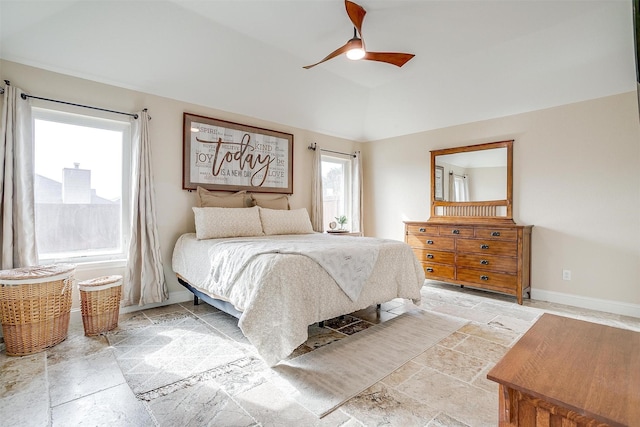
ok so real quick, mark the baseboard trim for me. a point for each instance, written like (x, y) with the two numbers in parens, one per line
(609, 306)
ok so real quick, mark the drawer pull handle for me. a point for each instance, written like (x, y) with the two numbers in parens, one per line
(429, 270)
(484, 277)
(430, 256)
(429, 242)
(495, 233)
(455, 231)
(484, 262)
(422, 229)
(484, 246)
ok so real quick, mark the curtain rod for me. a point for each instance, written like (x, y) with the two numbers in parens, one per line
(313, 147)
(25, 96)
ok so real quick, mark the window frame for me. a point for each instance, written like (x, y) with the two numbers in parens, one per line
(98, 121)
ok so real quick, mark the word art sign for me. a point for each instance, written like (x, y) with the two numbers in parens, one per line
(225, 156)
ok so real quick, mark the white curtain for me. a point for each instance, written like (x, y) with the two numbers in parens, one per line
(452, 188)
(17, 211)
(458, 187)
(465, 181)
(317, 205)
(356, 192)
(144, 278)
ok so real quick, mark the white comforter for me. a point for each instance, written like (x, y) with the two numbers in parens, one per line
(349, 262)
(280, 294)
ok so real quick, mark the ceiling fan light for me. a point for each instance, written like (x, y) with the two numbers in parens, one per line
(355, 54)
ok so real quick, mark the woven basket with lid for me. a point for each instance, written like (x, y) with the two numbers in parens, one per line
(35, 304)
(100, 303)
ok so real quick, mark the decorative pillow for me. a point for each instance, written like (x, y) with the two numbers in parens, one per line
(271, 202)
(207, 199)
(277, 221)
(212, 223)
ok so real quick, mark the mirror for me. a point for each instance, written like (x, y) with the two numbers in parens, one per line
(473, 182)
(473, 176)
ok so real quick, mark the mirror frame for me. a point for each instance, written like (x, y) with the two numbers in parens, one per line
(484, 211)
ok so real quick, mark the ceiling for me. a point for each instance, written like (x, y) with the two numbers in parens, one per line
(475, 60)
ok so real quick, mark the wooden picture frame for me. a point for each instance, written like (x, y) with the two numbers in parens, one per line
(226, 156)
(439, 183)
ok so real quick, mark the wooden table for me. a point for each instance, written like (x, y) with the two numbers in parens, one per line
(567, 372)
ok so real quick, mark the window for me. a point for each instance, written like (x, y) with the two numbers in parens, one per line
(81, 187)
(336, 189)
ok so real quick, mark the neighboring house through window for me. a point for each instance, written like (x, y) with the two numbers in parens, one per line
(82, 170)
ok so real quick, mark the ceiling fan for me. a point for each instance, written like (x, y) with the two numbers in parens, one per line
(355, 49)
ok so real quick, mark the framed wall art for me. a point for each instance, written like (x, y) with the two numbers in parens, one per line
(226, 156)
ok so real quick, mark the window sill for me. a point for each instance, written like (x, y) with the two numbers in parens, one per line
(93, 265)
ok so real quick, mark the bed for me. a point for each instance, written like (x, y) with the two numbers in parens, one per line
(280, 280)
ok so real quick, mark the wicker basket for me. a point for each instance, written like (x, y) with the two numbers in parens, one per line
(100, 303)
(35, 303)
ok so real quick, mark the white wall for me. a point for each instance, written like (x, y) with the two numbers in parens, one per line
(487, 183)
(576, 180)
(174, 213)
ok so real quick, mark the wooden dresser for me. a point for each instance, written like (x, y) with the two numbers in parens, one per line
(495, 257)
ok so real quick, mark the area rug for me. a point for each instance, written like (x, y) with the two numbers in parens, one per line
(168, 352)
(329, 376)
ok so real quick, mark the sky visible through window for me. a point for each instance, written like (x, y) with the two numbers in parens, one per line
(60, 145)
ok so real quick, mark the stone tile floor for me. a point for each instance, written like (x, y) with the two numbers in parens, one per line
(78, 382)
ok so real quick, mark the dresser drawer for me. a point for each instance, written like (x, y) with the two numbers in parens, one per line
(492, 255)
(430, 242)
(451, 230)
(491, 247)
(489, 279)
(496, 233)
(488, 262)
(422, 229)
(438, 271)
(434, 256)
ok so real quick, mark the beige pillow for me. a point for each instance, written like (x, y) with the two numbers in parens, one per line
(278, 221)
(207, 199)
(213, 223)
(271, 202)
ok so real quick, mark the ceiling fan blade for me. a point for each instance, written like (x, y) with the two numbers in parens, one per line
(356, 14)
(394, 58)
(333, 54)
